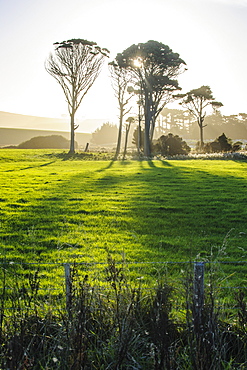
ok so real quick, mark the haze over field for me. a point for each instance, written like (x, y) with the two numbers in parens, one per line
(21, 121)
(208, 34)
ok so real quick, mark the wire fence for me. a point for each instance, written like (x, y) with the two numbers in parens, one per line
(23, 285)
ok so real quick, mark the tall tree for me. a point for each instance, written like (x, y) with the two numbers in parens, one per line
(196, 101)
(75, 65)
(155, 67)
(121, 80)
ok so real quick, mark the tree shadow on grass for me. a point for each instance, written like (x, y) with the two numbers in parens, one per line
(30, 167)
(41, 165)
(107, 167)
(164, 163)
(147, 215)
(134, 210)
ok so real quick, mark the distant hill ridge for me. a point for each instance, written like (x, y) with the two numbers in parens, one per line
(16, 136)
(14, 120)
(16, 128)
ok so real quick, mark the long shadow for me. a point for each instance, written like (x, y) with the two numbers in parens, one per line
(30, 167)
(123, 162)
(164, 163)
(151, 164)
(108, 166)
(152, 211)
(41, 165)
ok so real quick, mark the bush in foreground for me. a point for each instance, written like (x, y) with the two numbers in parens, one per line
(122, 326)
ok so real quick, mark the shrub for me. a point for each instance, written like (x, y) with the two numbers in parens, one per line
(46, 142)
(237, 146)
(170, 145)
(120, 325)
(222, 144)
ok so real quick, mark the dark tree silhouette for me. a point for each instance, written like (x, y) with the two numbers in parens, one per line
(222, 144)
(155, 68)
(75, 65)
(171, 145)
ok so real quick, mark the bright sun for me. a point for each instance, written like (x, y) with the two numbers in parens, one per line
(138, 62)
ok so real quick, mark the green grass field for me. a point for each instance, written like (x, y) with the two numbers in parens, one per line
(54, 209)
(133, 227)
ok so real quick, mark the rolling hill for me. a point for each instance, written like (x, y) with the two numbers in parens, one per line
(16, 128)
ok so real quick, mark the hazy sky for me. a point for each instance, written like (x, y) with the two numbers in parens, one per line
(210, 35)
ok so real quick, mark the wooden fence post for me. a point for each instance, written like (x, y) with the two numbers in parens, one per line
(198, 294)
(68, 286)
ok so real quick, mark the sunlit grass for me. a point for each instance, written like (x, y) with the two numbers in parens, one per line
(58, 210)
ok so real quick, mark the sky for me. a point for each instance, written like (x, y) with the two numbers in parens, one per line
(209, 35)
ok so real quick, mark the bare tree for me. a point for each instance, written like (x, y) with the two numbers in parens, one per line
(121, 80)
(75, 65)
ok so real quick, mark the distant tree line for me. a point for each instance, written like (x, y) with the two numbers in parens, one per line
(181, 122)
(175, 124)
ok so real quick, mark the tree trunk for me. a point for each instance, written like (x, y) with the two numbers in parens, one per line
(119, 134)
(126, 140)
(139, 138)
(147, 147)
(139, 132)
(147, 150)
(152, 125)
(72, 133)
(200, 123)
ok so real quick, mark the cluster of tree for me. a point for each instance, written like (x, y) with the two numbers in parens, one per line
(46, 142)
(152, 69)
(146, 71)
(222, 144)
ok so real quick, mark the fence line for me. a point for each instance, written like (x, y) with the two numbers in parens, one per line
(65, 280)
(2, 261)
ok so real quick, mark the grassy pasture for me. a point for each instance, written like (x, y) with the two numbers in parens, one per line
(54, 209)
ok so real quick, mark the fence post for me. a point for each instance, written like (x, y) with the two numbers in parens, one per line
(198, 294)
(68, 286)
